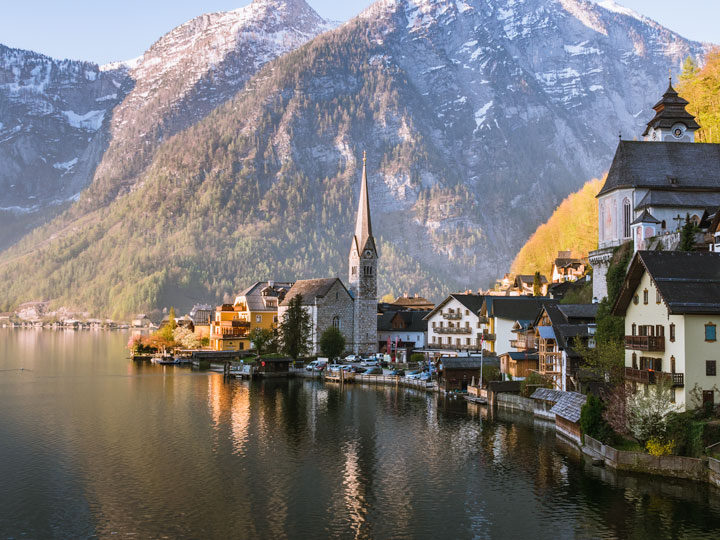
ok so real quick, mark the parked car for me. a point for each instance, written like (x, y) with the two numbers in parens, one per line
(357, 369)
(369, 363)
(397, 373)
(373, 371)
(353, 358)
(425, 376)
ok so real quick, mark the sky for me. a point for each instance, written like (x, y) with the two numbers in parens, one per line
(102, 32)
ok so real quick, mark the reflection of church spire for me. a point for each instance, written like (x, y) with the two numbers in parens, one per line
(363, 224)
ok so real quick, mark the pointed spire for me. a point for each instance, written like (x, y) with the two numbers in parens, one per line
(363, 224)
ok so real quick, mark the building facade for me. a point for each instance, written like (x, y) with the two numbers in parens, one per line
(653, 184)
(455, 324)
(671, 304)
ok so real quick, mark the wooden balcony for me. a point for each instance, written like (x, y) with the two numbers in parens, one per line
(648, 376)
(488, 336)
(645, 343)
(454, 315)
(523, 343)
(452, 330)
(483, 320)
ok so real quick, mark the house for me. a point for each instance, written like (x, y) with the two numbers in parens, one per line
(517, 365)
(255, 307)
(141, 321)
(524, 285)
(454, 324)
(328, 303)
(228, 332)
(671, 304)
(499, 315)
(567, 415)
(201, 315)
(568, 268)
(402, 332)
(558, 327)
(456, 373)
(405, 303)
(544, 399)
(653, 184)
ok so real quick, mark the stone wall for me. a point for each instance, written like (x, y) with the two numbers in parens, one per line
(336, 303)
(515, 402)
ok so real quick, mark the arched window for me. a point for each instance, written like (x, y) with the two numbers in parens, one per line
(336, 322)
(627, 215)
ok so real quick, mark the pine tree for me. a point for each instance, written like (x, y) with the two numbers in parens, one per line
(537, 284)
(687, 235)
(171, 319)
(295, 329)
(690, 70)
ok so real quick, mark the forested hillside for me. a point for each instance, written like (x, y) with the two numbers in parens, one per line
(572, 227)
(701, 87)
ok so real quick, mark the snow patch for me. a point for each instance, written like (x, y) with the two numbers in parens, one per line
(580, 48)
(91, 120)
(610, 5)
(481, 115)
(67, 165)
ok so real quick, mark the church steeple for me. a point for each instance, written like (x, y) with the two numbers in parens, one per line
(671, 122)
(363, 225)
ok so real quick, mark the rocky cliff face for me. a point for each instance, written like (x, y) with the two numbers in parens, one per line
(63, 123)
(53, 132)
(478, 117)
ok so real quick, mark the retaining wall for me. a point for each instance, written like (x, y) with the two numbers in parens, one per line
(515, 402)
(674, 466)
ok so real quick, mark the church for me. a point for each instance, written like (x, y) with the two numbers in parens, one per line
(352, 309)
(653, 184)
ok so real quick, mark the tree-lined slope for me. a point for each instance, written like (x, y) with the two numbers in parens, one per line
(478, 117)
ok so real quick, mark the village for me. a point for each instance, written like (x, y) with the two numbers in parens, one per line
(645, 340)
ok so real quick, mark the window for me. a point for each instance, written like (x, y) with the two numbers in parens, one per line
(659, 330)
(672, 332)
(634, 329)
(258, 318)
(672, 364)
(710, 332)
(467, 312)
(367, 270)
(636, 299)
(710, 368)
(634, 361)
(663, 225)
(657, 296)
(645, 297)
(275, 318)
(626, 218)
(433, 324)
(336, 322)
(354, 270)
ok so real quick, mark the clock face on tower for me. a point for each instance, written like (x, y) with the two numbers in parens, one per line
(678, 130)
(368, 253)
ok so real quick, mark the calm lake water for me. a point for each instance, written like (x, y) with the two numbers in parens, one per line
(93, 445)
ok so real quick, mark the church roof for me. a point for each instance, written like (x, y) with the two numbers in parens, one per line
(679, 199)
(310, 289)
(669, 111)
(673, 166)
(363, 223)
(688, 282)
(646, 217)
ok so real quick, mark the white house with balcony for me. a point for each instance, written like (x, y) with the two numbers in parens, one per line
(671, 304)
(653, 184)
(454, 324)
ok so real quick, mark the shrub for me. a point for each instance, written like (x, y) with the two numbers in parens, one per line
(417, 357)
(658, 447)
(592, 422)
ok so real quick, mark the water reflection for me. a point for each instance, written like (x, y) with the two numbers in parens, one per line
(93, 445)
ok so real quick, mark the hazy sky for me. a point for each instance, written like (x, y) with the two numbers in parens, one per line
(103, 31)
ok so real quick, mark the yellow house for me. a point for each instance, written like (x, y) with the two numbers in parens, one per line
(671, 304)
(255, 307)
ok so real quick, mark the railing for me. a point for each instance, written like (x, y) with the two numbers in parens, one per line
(483, 320)
(455, 347)
(523, 343)
(645, 343)
(452, 315)
(452, 330)
(646, 376)
(488, 336)
(235, 323)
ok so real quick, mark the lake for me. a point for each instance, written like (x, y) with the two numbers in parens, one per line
(93, 445)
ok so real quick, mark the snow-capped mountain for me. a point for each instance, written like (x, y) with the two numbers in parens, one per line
(190, 71)
(60, 119)
(53, 119)
(478, 117)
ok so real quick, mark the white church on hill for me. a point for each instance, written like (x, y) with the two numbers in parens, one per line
(653, 184)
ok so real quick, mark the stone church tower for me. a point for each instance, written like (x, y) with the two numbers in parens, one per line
(363, 275)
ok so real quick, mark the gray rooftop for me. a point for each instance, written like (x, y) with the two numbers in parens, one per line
(569, 406)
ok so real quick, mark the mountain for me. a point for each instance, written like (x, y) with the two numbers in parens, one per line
(573, 226)
(53, 115)
(64, 124)
(478, 118)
